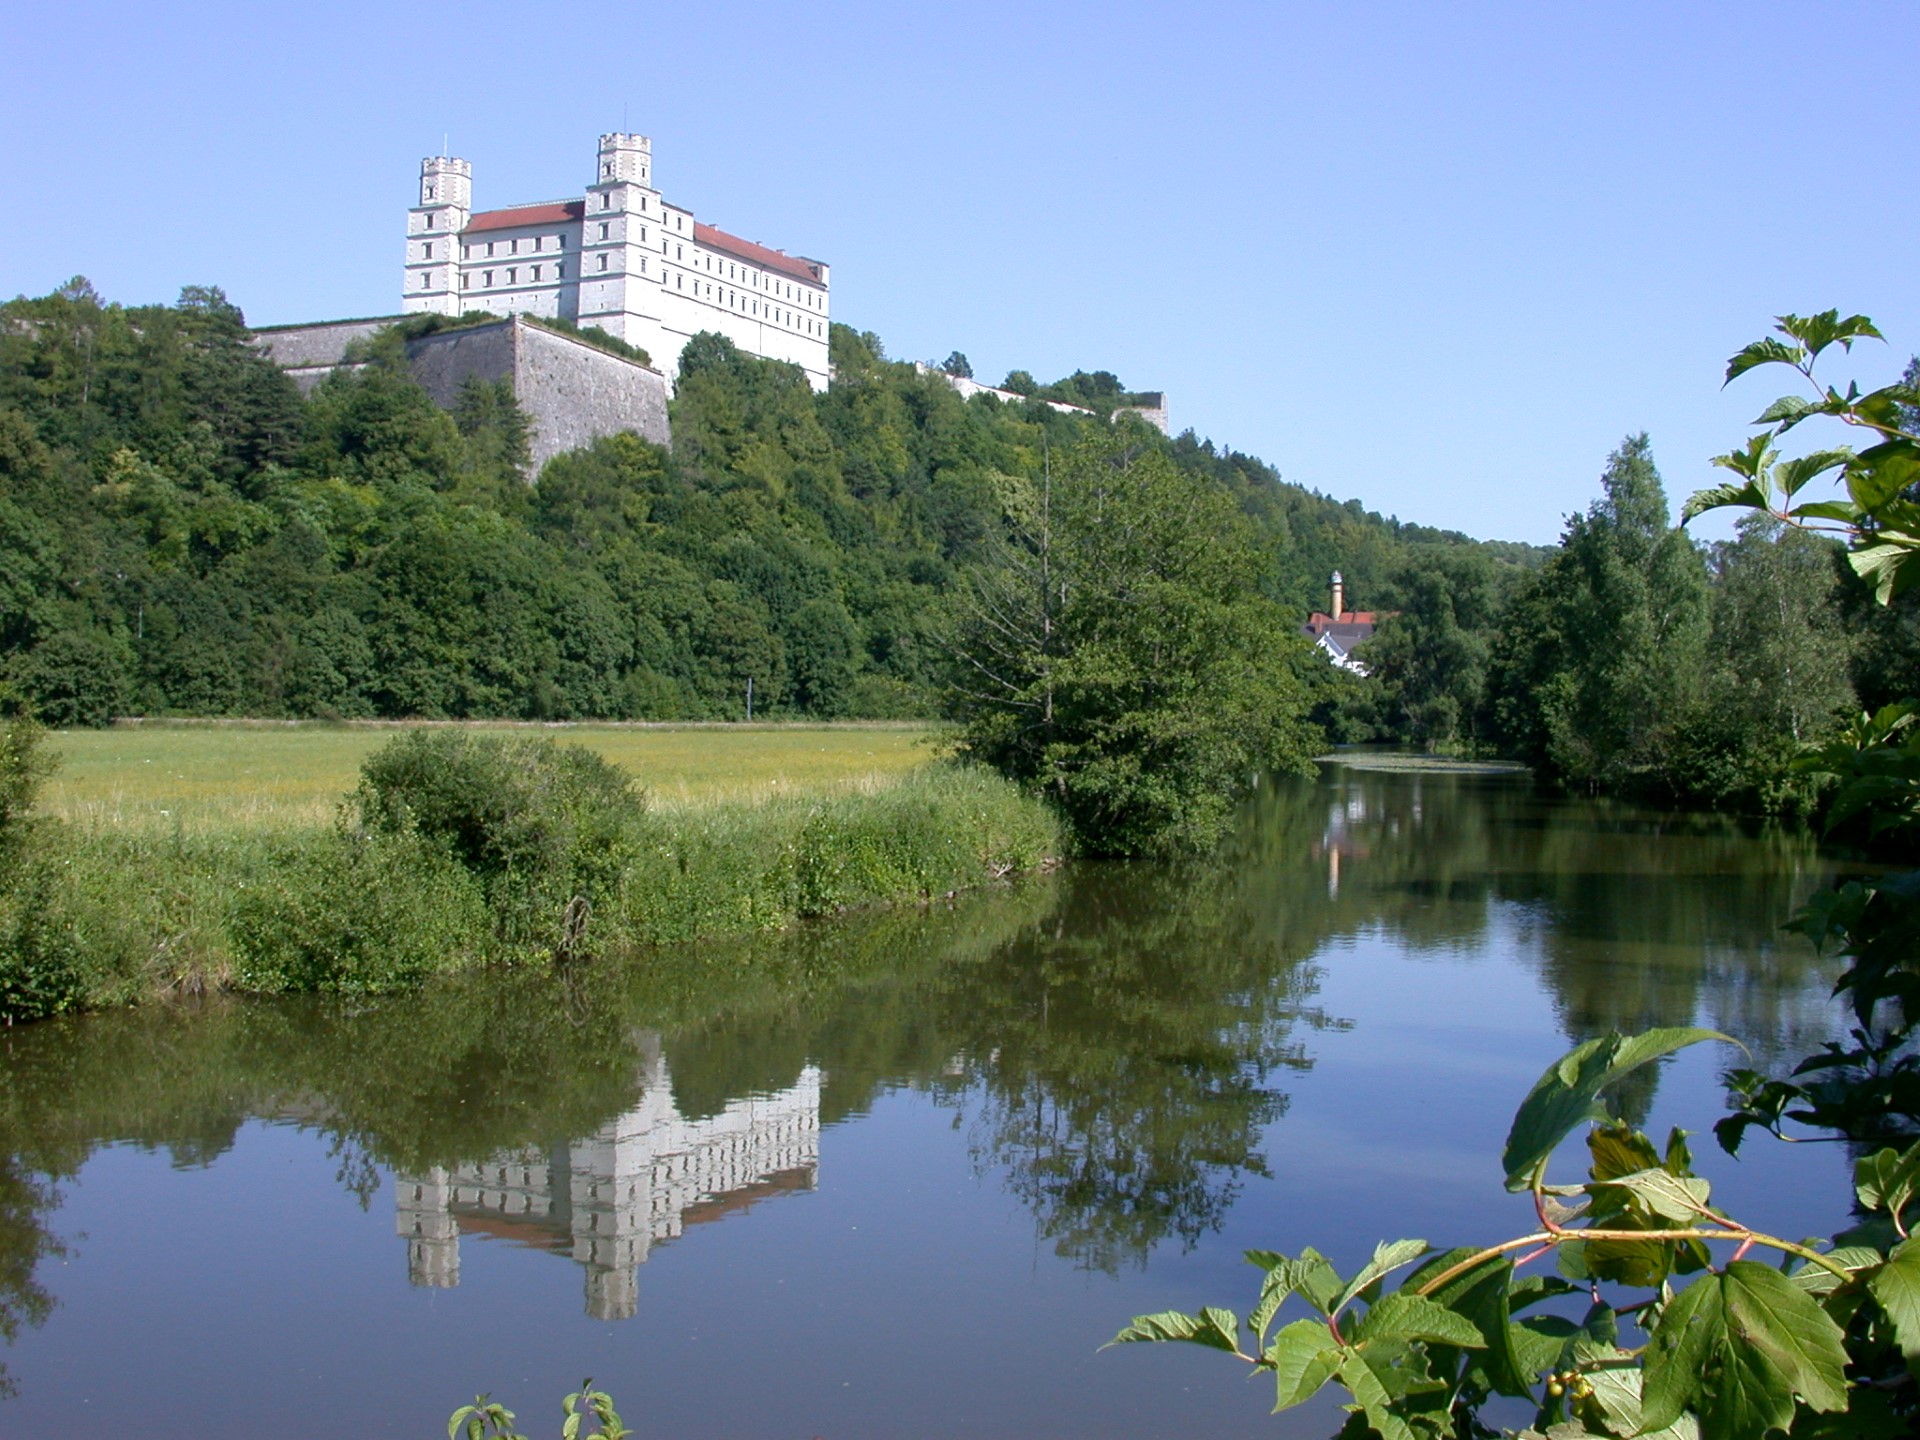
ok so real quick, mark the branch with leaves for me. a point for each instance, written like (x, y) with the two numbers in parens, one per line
(1879, 516)
(1819, 1342)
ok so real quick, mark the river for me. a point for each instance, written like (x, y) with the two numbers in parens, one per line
(899, 1174)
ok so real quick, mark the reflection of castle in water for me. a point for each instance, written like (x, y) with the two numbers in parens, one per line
(605, 1199)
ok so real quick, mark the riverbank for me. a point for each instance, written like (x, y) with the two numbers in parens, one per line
(100, 913)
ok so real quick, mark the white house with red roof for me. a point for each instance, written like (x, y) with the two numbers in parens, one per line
(1339, 632)
(620, 257)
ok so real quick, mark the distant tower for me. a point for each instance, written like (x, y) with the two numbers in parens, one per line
(1339, 596)
(433, 232)
(620, 241)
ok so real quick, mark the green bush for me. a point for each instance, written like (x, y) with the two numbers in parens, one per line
(358, 914)
(40, 970)
(537, 824)
(948, 828)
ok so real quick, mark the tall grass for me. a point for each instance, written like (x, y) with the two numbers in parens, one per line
(378, 900)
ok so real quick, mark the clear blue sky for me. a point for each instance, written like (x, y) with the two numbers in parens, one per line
(1437, 257)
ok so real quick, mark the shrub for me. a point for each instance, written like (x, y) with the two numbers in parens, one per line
(359, 914)
(537, 824)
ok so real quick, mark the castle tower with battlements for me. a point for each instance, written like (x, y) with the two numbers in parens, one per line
(620, 257)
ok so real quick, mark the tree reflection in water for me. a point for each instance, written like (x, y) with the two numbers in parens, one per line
(1118, 1037)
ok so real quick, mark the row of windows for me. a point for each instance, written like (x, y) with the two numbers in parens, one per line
(534, 276)
(710, 262)
(534, 243)
(733, 299)
(747, 305)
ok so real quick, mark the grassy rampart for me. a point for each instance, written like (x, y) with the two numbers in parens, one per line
(472, 848)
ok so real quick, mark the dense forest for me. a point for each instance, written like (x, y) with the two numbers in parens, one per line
(181, 533)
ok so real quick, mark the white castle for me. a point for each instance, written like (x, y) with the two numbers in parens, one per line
(620, 258)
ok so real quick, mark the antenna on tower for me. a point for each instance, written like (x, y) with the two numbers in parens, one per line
(443, 144)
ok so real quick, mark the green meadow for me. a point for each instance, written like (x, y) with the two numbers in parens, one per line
(198, 777)
(203, 856)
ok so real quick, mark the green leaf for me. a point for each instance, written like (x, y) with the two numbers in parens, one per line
(1485, 1296)
(1752, 463)
(1751, 495)
(1303, 1358)
(1788, 408)
(1375, 1401)
(1818, 1280)
(1844, 511)
(1311, 1277)
(1388, 1256)
(1538, 1342)
(1887, 567)
(1401, 1316)
(1896, 1285)
(1736, 1347)
(1792, 476)
(1817, 332)
(1668, 1196)
(1567, 1094)
(1887, 1179)
(1619, 1150)
(1615, 1377)
(1879, 475)
(1215, 1328)
(1763, 352)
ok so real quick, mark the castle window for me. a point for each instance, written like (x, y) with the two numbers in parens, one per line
(560, 271)
(603, 262)
(536, 272)
(676, 283)
(466, 252)
(490, 249)
(603, 229)
(429, 222)
(429, 192)
(606, 202)
(643, 234)
(513, 247)
(466, 282)
(426, 280)
(536, 241)
(513, 276)
(486, 280)
(560, 242)
(426, 251)
(678, 254)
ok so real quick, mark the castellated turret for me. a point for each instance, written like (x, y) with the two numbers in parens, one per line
(433, 233)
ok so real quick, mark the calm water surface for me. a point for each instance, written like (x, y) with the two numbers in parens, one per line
(900, 1175)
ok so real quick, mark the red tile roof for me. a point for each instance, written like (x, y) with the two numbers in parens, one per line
(756, 254)
(1319, 621)
(559, 212)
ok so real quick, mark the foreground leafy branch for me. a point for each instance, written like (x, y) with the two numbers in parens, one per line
(1819, 1343)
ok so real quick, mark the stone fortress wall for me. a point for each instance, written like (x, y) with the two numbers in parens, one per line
(572, 392)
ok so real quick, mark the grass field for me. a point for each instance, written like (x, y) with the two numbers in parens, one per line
(207, 776)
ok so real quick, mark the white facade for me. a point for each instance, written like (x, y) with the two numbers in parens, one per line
(621, 258)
